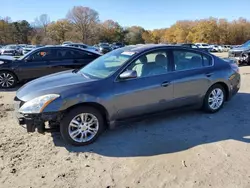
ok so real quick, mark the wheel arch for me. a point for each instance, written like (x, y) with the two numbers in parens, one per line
(95, 105)
(10, 71)
(225, 87)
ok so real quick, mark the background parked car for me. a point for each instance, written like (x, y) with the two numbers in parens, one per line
(13, 50)
(28, 48)
(241, 53)
(81, 45)
(41, 62)
(203, 45)
(191, 45)
(216, 48)
(67, 42)
(22, 45)
(104, 48)
(117, 45)
(226, 48)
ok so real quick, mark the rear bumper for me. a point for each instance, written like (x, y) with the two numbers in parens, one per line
(235, 86)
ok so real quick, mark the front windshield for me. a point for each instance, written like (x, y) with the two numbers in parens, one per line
(247, 44)
(26, 55)
(107, 64)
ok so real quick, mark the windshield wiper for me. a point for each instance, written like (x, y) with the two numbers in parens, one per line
(85, 75)
(75, 71)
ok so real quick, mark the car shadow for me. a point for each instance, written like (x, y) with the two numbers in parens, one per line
(173, 132)
(11, 89)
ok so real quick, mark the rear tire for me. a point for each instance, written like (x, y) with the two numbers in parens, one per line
(82, 126)
(214, 99)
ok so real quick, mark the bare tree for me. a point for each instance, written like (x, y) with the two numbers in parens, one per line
(85, 20)
(43, 21)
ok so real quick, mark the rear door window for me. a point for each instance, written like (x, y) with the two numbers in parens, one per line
(75, 54)
(188, 60)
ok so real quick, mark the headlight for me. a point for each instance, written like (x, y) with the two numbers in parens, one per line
(38, 104)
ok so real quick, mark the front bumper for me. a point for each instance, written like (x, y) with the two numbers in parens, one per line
(240, 60)
(33, 122)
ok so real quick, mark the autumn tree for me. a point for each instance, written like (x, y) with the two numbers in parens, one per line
(58, 30)
(111, 31)
(85, 20)
(5, 30)
(43, 21)
(134, 35)
(148, 37)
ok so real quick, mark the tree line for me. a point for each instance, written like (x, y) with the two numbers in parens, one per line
(82, 24)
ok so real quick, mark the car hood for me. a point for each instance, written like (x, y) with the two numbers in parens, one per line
(59, 83)
(8, 58)
(8, 49)
(239, 49)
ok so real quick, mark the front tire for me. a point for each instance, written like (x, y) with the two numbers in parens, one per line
(7, 79)
(82, 126)
(214, 99)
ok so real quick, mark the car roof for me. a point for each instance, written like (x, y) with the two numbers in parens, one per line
(146, 47)
(76, 44)
(179, 44)
(70, 47)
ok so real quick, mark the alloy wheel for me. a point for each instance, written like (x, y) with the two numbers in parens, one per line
(83, 127)
(216, 98)
(6, 80)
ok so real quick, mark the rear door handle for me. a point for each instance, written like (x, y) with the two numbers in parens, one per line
(209, 74)
(165, 84)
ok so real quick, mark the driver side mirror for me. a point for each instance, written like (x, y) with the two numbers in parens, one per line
(128, 74)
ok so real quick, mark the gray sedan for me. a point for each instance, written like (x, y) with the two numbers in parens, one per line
(128, 82)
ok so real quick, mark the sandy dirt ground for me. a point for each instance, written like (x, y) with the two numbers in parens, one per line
(184, 149)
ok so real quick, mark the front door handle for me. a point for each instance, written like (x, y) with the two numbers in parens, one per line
(209, 74)
(165, 84)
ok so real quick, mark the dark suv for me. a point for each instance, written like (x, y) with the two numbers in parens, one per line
(41, 62)
(241, 53)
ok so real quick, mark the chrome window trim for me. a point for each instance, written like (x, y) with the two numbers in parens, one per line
(166, 49)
